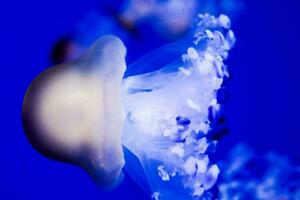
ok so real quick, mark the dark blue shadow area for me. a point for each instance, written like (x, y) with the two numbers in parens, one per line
(263, 109)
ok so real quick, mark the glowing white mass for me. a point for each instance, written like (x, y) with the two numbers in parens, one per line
(73, 112)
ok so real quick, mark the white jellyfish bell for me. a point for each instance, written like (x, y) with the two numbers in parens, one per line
(73, 111)
(82, 112)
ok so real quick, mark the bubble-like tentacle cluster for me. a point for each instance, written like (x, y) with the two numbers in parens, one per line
(170, 111)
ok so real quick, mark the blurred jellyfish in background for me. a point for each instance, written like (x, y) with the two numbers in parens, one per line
(141, 24)
(247, 175)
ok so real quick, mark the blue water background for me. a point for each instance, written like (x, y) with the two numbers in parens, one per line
(263, 109)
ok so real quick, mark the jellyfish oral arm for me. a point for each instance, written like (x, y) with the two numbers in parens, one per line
(170, 111)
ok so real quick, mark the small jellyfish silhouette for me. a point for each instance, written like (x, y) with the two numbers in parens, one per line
(84, 112)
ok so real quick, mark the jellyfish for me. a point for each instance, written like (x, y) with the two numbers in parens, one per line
(88, 113)
(249, 175)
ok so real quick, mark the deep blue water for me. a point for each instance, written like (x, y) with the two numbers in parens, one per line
(263, 109)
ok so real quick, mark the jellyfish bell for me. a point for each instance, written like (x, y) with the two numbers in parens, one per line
(73, 111)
